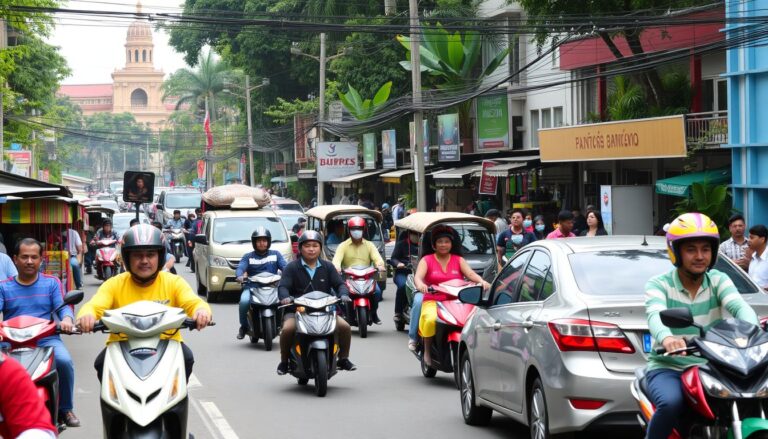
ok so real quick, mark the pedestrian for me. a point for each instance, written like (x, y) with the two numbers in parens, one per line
(398, 210)
(484, 205)
(565, 226)
(495, 216)
(528, 221)
(579, 221)
(7, 269)
(75, 249)
(539, 227)
(514, 238)
(387, 221)
(2, 245)
(595, 225)
(365, 201)
(406, 249)
(299, 227)
(758, 265)
(735, 247)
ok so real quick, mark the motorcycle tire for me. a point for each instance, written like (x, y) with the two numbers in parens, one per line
(426, 369)
(108, 272)
(268, 332)
(321, 373)
(362, 321)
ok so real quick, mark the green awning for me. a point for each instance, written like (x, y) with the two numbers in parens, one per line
(680, 186)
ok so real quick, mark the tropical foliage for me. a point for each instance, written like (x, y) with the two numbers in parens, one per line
(711, 200)
(364, 109)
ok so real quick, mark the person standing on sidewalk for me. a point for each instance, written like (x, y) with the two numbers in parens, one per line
(758, 265)
(75, 249)
(514, 237)
(565, 226)
(736, 247)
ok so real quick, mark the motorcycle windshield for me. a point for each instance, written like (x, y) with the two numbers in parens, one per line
(264, 296)
(316, 323)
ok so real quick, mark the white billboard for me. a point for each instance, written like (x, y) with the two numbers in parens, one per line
(336, 160)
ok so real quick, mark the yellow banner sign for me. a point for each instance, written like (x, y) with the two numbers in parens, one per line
(634, 139)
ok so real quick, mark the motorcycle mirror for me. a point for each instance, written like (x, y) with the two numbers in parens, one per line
(472, 295)
(677, 318)
(74, 297)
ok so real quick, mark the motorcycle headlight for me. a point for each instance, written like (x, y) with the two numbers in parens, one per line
(757, 353)
(725, 353)
(142, 323)
(218, 261)
(23, 334)
(715, 388)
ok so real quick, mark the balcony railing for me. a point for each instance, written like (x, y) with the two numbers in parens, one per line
(707, 130)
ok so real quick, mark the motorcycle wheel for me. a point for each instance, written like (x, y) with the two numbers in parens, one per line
(108, 272)
(362, 321)
(321, 373)
(268, 332)
(426, 369)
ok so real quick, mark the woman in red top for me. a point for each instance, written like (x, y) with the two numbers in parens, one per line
(434, 269)
(22, 412)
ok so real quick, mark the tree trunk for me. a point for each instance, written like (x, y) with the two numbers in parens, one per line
(611, 45)
(652, 80)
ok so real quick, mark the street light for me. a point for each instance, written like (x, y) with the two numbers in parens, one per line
(321, 113)
(248, 89)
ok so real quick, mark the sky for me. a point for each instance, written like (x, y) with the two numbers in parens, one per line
(93, 46)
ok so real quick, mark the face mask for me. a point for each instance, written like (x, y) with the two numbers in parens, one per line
(356, 234)
(539, 227)
(527, 223)
(517, 239)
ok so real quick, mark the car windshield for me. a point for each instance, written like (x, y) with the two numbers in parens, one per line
(631, 269)
(189, 200)
(290, 220)
(238, 230)
(121, 222)
(287, 206)
(475, 239)
(372, 231)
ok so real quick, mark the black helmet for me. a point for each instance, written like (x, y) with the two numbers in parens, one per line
(106, 221)
(311, 235)
(261, 232)
(143, 237)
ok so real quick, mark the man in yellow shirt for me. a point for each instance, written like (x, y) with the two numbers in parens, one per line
(142, 251)
(358, 251)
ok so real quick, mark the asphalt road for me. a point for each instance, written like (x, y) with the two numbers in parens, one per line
(235, 392)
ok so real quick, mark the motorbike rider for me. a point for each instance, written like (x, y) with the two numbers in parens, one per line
(177, 222)
(358, 251)
(104, 233)
(142, 251)
(692, 244)
(441, 266)
(260, 260)
(405, 248)
(304, 275)
(31, 293)
(170, 259)
(23, 414)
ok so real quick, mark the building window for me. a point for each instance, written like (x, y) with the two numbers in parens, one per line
(129, 56)
(546, 118)
(535, 128)
(557, 116)
(150, 56)
(139, 98)
(715, 95)
(144, 55)
(136, 54)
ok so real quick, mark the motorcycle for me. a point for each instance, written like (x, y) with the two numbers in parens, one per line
(452, 315)
(176, 237)
(727, 394)
(314, 351)
(23, 333)
(264, 316)
(106, 259)
(144, 387)
(361, 283)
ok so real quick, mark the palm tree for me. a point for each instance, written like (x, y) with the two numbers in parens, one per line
(193, 87)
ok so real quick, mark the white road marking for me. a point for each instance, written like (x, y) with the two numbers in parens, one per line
(221, 424)
(193, 382)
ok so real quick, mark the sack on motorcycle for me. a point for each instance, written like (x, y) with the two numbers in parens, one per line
(224, 196)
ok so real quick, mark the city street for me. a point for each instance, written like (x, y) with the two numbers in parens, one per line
(235, 392)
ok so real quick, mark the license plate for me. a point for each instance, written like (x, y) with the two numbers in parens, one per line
(647, 343)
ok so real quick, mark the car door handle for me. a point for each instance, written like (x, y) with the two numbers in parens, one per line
(527, 324)
(496, 326)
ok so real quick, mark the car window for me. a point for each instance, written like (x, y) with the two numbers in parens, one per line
(189, 200)
(534, 277)
(505, 287)
(372, 232)
(548, 288)
(238, 230)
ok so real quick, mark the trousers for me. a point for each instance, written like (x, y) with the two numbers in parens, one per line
(66, 370)
(666, 393)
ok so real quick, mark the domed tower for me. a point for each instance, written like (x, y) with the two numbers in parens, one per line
(137, 86)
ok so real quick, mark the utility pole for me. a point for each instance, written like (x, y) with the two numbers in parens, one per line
(417, 153)
(125, 163)
(321, 115)
(208, 172)
(3, 45)
(251, 180)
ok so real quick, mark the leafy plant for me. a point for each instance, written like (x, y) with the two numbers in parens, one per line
(711, 200)
(364, 109)
(627, 101)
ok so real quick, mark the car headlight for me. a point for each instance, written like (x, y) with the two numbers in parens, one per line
(218, 261)
(142, 323)
(714, 387)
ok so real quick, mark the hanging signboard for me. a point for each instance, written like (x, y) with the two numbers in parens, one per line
(488, 184)
(336, 160)
(425, 138)
(388, 149)
(369, 151)
(492, 122)
(448, 138)
(20, 162)
(139, 186)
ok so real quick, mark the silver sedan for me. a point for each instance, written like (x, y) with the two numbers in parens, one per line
(555, 342)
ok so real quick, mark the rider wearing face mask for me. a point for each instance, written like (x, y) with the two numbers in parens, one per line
(514, 238)
(539, 227)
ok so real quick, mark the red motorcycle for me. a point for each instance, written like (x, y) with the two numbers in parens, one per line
(452, 315)
(361, 283)
(106, 259)
(23, 333)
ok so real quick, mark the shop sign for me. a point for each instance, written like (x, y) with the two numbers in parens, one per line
(20, 162)
(336, 160)
(488, 184)
(492, 122)
(658, 137)
(606, 208)
(425, 138)
(388, 149)
(369, 151)
(448, 138)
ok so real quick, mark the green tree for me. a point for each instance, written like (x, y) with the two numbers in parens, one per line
(29, 24)
(626, 100)
(711, 200)
(363, 109)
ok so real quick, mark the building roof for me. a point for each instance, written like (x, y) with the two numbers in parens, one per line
(86, 90)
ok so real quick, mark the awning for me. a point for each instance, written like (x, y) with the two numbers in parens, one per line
(394, 177)
(680, 186)
(455, 173)
(502, 170)
(12, 184)
(346, 181)
(288, 179)
(306, 174)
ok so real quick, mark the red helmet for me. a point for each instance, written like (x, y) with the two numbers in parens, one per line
(356, 222)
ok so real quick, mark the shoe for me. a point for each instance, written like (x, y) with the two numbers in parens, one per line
(412, 346)
(397, 318)
(282, 368)
(345, 364)
(376, 319)
(69, 419)
(241, 333)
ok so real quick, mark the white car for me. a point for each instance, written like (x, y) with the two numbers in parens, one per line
(121, 221)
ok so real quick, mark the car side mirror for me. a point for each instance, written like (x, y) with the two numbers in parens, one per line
(677, 318)
(201, 239)
(472, 295)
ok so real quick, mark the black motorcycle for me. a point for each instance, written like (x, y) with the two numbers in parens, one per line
(264, 314)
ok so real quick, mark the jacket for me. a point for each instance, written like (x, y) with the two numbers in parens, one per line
(253, 263)
(295, 281)
(402, 253)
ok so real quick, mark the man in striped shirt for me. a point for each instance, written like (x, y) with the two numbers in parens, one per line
(692, 243)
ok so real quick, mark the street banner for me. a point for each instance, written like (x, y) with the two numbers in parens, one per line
(606, 208)
(201, 169)
(208, 133)
(388, 149)
(301, 124)
(425, 138)
(45, 176)
(336, 160)
(448, 138)
(492, 122)
(369, 151)
(488, 184)
(20, 162)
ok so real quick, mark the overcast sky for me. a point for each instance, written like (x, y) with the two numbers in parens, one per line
(93, 46)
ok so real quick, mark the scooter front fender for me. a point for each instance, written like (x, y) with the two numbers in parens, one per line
(267, 312)
(751, 425)
(318, 345)
(454, 336)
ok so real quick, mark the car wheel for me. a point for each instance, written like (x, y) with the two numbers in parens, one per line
(538, 416)
(201, 289)
(212, 297)
(473, 414)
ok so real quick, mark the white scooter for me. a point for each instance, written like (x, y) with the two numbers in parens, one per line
(144, 385)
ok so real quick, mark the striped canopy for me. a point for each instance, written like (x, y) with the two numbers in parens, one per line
(36, 211)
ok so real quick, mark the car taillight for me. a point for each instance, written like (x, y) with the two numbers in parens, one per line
(588, 335)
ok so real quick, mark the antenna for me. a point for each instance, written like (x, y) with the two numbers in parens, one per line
(645, 242)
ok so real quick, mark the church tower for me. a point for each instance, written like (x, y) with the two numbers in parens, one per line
(137, 86)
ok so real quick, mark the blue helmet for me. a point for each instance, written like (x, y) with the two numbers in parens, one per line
(385, 206)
